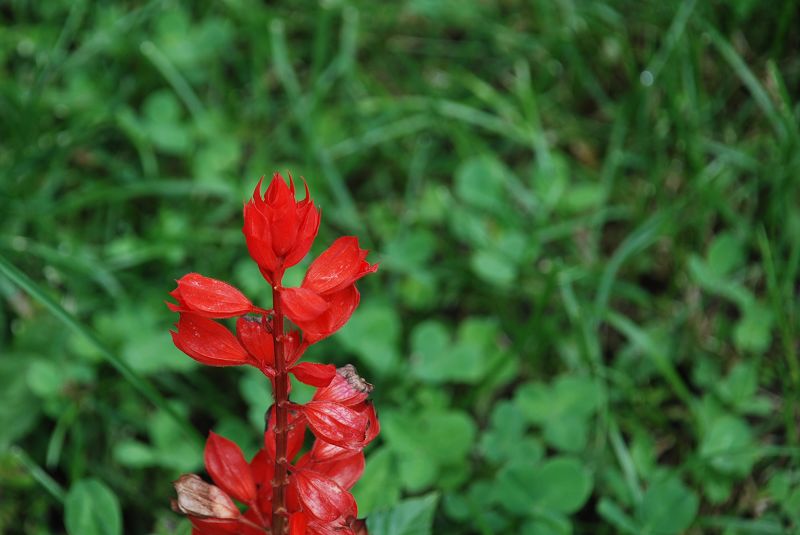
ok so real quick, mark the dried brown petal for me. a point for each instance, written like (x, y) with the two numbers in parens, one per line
(348, 371)
(201, 499)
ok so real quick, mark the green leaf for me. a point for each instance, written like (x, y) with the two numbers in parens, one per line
(372, 333)
(410, 517)
(724, 255)
(728, 446)
(561, 408)
(561, 485)
(754, 331)
(668, 507)
(379, 486)
(481, 181)
(493, 267)
(426, 443)
(19, 408)
(91, 508)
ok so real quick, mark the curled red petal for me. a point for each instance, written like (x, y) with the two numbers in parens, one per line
(210, 298)
(322, 497)
(313, 373)
(208, 342)
(302, 305)
(338, 266)
(341, 306)
(228, 468)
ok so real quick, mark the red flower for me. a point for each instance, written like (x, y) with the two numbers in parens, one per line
(279, 229)
(278, 494)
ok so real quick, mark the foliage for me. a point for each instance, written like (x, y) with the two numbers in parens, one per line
(585, 213)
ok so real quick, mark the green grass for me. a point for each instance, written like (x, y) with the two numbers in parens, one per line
(586, 315)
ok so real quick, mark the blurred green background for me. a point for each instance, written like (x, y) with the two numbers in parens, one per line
(586, 215)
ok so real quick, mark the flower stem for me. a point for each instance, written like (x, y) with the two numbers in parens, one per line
(281, 394)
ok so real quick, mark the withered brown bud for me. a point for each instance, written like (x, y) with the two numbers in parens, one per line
(201, 499)
(348, 371)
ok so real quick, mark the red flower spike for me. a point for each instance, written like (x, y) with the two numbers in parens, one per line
(278, 229)
(227, 467)
(335, 423)
(339, 266)
(314, 374)
(309, 496)
(208, 342)
(210, 298)
(255, 338)
(322, 497)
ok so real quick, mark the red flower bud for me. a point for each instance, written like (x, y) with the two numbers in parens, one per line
(279, 230)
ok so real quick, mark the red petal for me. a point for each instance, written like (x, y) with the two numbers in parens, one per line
(336, 423)
(229, 470)
(208, 342)
(210, 298)
(322, 497)
(308, 217)
(373, 424)
(255, 338)
(342, 465)
(302, 305)
(263, 469)
(210, 526)
(314, 374)
(341, 307)
(256, 231)
(282, 215)
(338, 266)
(298, 523)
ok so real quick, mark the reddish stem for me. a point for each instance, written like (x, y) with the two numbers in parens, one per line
(281, 394)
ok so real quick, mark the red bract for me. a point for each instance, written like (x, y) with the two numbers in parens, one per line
(328, 296)
(281, 495)
(279, 230)
(208, 342)
(210, 298)
(226, 465)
